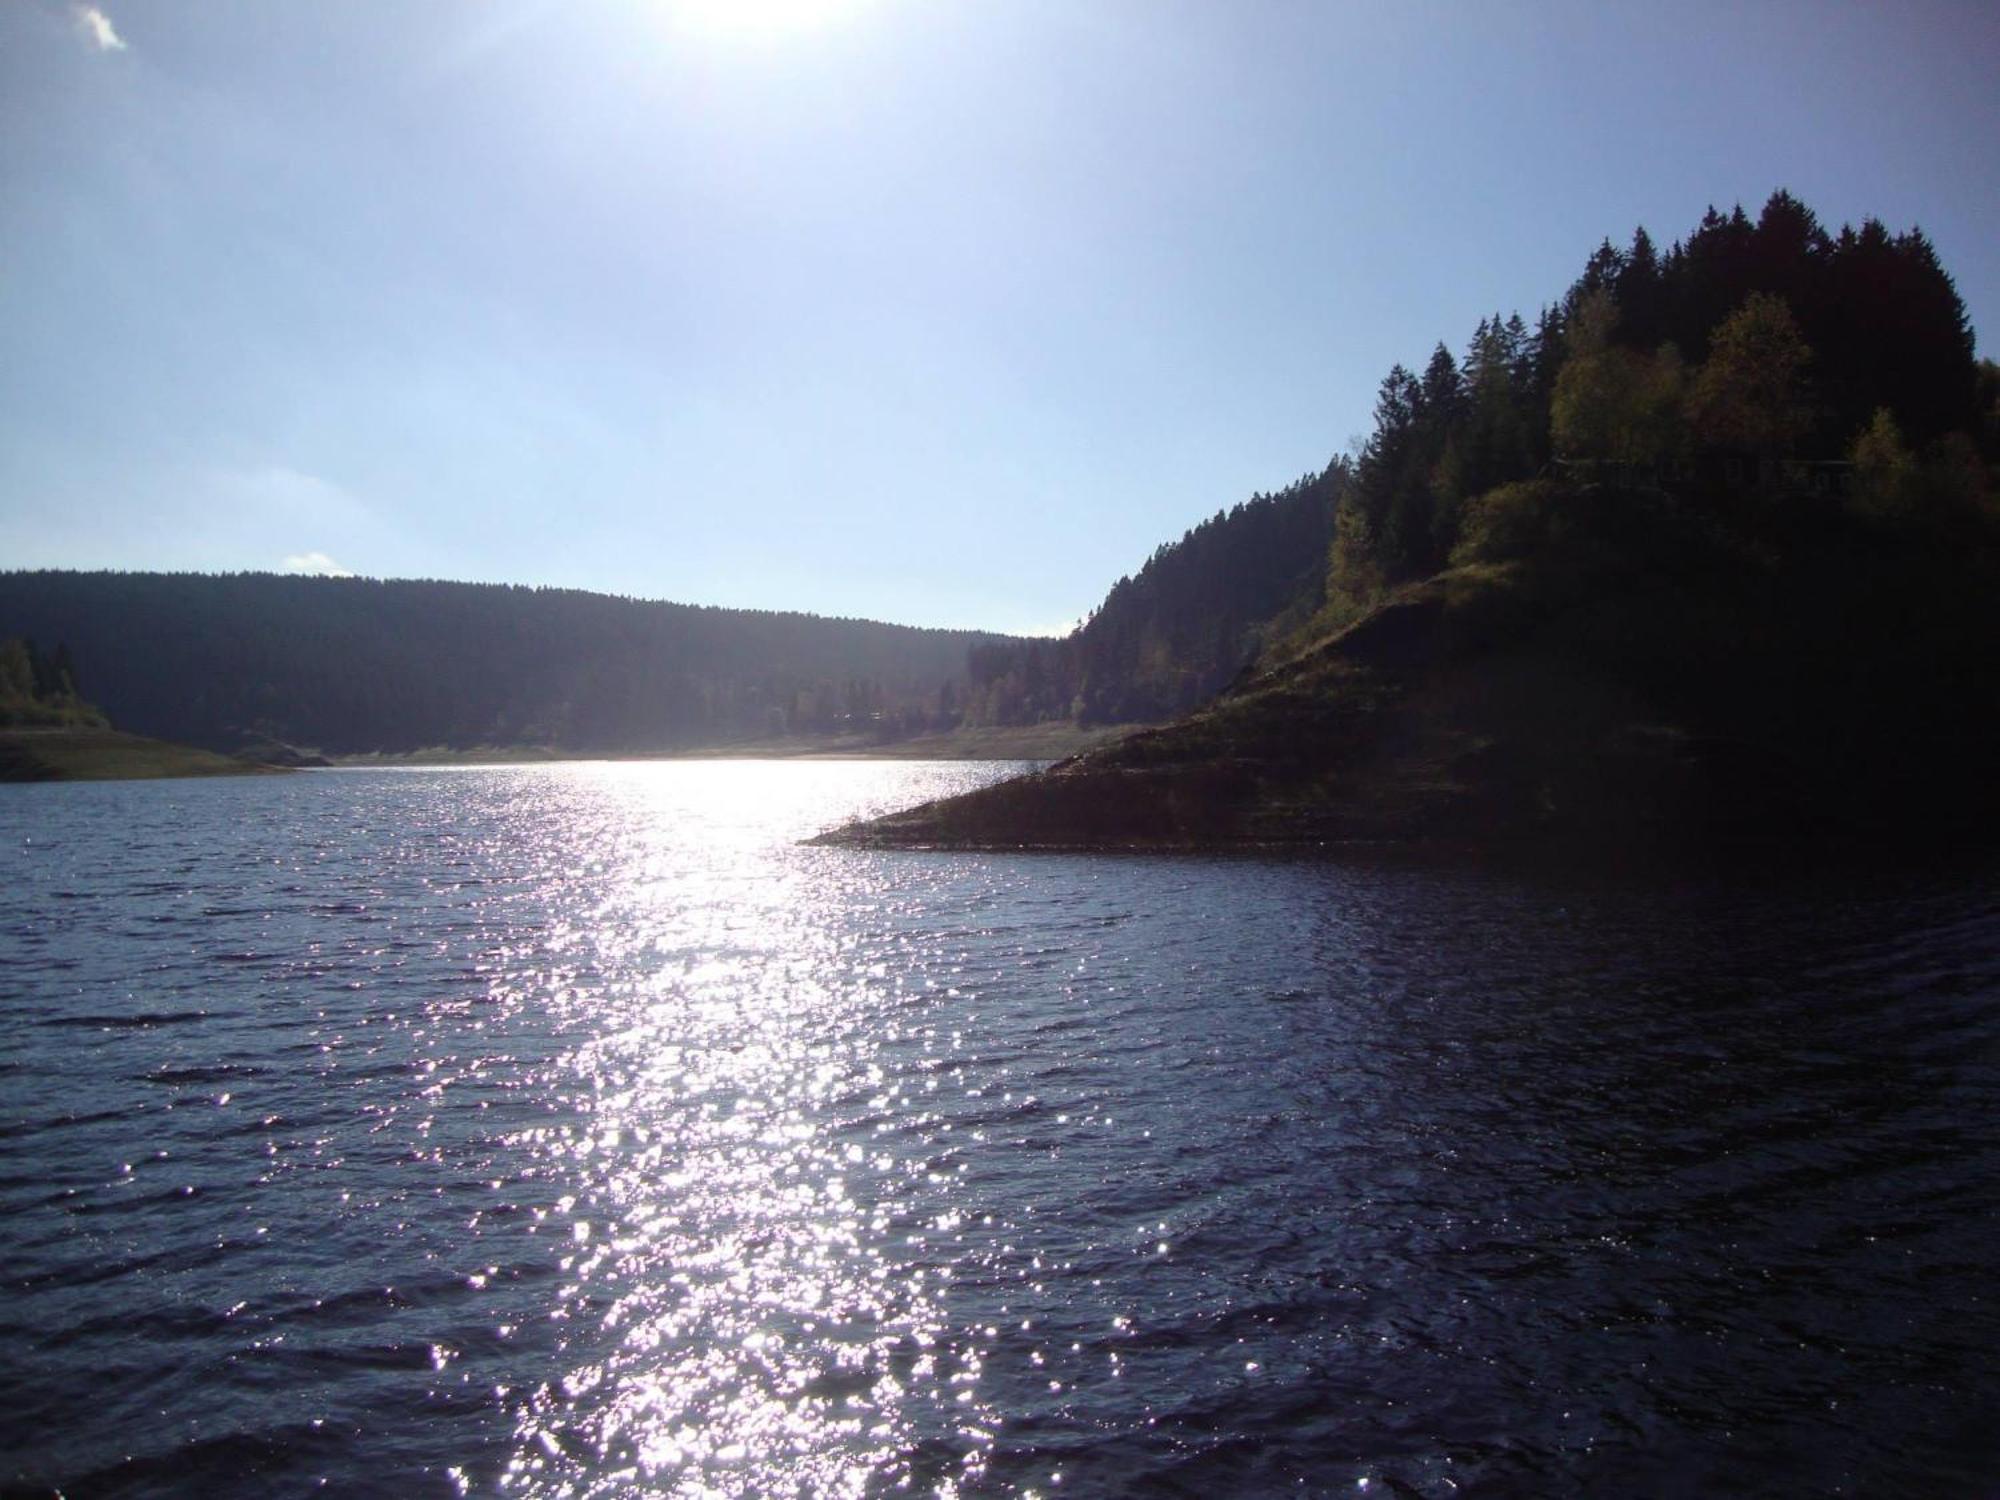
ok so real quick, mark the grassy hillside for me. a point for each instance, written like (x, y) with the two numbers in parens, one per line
(99, 754)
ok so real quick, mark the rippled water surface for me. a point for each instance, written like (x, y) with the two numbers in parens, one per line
(571, 1130)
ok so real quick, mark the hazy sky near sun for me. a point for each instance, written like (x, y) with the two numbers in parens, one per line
(945, 313)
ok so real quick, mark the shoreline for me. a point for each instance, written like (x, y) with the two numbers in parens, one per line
(1026, 742)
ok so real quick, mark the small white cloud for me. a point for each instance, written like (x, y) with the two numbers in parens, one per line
(316, 563)
(98, 29)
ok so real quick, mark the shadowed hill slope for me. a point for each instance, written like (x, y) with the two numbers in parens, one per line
(1175, 633)
(1649, 668)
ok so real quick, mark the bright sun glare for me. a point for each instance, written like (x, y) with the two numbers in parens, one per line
(758, 20)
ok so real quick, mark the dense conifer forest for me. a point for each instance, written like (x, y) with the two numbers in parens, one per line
(1761, 355)
(349, 665)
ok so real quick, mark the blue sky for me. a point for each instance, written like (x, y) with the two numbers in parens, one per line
(942, 313)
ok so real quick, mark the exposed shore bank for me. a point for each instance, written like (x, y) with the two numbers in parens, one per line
(37, 754)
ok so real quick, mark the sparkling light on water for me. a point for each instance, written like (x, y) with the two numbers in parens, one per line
(742, 1164)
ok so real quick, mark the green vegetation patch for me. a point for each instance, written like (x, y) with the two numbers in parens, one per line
(99, 754)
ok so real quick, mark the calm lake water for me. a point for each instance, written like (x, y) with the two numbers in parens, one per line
(571, 1130)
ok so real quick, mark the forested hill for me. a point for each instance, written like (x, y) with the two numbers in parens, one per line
(1709, 551)
(1178, 632)
(350, 665)
(1752, 353)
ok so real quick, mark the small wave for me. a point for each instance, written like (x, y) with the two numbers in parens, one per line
(187, 1258)
(224, 1464)
(23, 1128)
(133, 1021)
(213, 1073)
(366, 1304)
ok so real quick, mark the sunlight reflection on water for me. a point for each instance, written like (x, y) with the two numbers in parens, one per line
(734, 1146)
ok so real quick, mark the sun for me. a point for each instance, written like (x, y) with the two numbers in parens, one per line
(758, 20)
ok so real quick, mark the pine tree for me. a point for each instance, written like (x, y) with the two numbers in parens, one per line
(1638, 289)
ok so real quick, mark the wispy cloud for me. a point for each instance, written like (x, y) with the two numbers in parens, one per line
(316, 563)
(278, 490)
(97, 28)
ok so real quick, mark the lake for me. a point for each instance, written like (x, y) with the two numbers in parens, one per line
(573, 1130)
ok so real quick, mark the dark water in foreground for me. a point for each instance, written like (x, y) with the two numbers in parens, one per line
(569, 1130)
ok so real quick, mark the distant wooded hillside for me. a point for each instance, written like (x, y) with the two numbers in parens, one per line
(353, 665)
(1180, 630)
